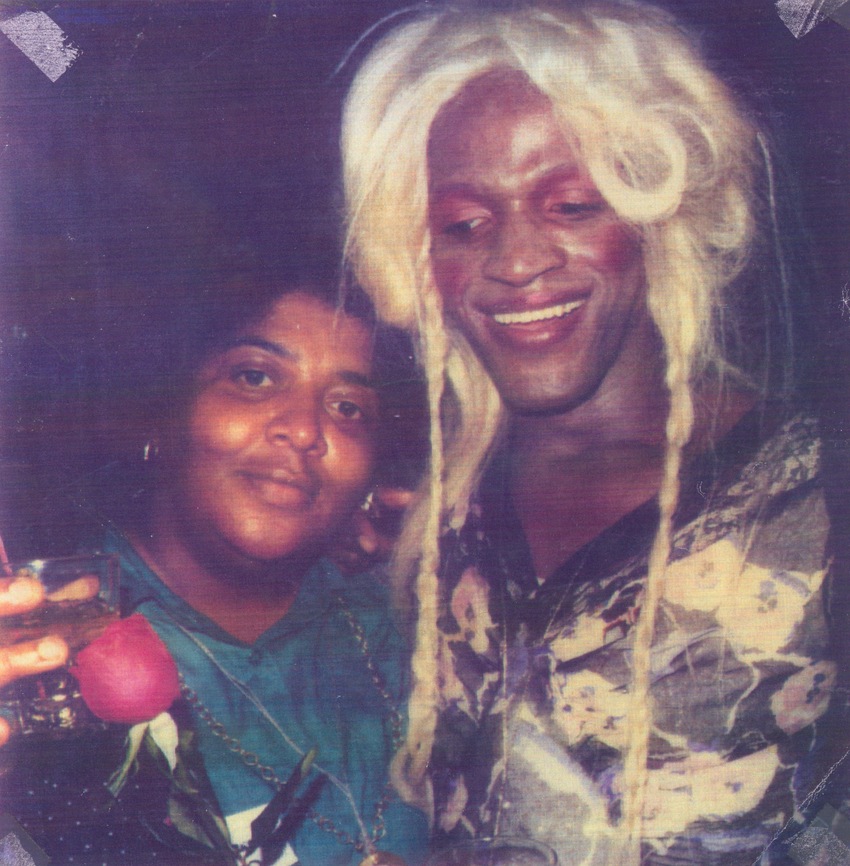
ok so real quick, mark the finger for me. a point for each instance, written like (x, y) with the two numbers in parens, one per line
(365, 533)
(384, 547)
(394, 497)
(5, 731)
(81, 589)
(19, 595)
(368, 540)
(32, 657)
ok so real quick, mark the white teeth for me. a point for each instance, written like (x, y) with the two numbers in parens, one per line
(527, 316)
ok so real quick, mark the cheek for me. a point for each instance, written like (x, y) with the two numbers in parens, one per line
(349, 466)
(452, 275)
(613, 248)
(219, 433)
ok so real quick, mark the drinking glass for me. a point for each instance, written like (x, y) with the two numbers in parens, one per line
(81, 600)
(496, 851)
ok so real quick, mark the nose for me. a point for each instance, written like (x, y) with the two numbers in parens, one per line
(521, 251)
(296, 420)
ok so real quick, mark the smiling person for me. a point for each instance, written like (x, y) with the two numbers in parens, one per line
(264, 440)
(620, 556)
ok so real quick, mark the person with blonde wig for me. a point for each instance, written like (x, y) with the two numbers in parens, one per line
(618, 558)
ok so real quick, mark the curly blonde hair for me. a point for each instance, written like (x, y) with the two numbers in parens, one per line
(672, 153)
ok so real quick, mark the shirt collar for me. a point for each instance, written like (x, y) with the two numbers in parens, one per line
(139, 584)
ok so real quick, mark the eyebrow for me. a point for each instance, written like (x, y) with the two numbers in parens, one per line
(350, 377)
(452, 188)
(260, 343)
(563, 172)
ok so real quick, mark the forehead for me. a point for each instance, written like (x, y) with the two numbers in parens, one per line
(494, 93)
(311, 329)
(498, 120)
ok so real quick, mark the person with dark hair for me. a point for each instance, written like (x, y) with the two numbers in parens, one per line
(263, 443)
(619, 558)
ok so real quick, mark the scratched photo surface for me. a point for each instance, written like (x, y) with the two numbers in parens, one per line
(152, 149)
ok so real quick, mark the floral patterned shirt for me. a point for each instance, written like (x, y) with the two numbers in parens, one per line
(536, 677)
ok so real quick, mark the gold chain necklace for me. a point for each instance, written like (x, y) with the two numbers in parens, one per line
(267, 774)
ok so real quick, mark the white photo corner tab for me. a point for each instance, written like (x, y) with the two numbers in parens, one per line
(42, 40)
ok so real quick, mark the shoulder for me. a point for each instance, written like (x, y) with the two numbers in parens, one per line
(366, 593)
(788, 457)
(363, 610)
(764, 477)
(771, 455)
(365, 600)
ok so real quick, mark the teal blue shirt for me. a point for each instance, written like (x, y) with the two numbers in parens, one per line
(310, 673)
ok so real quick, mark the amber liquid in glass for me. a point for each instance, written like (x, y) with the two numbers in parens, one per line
(78, 623)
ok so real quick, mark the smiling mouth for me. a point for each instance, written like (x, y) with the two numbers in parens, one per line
(528, 317)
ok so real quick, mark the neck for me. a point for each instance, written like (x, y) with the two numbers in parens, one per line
(575, 474)
(245, 599)
(627, 413)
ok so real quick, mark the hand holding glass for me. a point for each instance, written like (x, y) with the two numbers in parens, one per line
(80, 600)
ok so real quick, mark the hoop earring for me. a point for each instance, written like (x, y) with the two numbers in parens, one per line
(150, 450)
(371, 507)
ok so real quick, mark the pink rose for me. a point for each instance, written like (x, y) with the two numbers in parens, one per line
(127, 675)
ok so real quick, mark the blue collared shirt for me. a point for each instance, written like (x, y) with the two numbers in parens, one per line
(310, 673)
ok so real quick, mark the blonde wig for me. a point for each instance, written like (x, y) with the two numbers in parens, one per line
(673, 155)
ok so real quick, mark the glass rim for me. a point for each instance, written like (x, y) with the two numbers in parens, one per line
(106, 567)
(65, 558)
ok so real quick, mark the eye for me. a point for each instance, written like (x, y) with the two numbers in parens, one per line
(356, 408)
(577, 210)
(251, 378)
(457, 217)
(348, 409)
(464, 229)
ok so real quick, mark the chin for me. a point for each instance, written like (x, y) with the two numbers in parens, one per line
(278, 555)
(539, 408)
(258, 561)
(529, 395)
(544, 404)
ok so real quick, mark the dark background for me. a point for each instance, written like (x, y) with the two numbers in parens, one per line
(188, 136)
